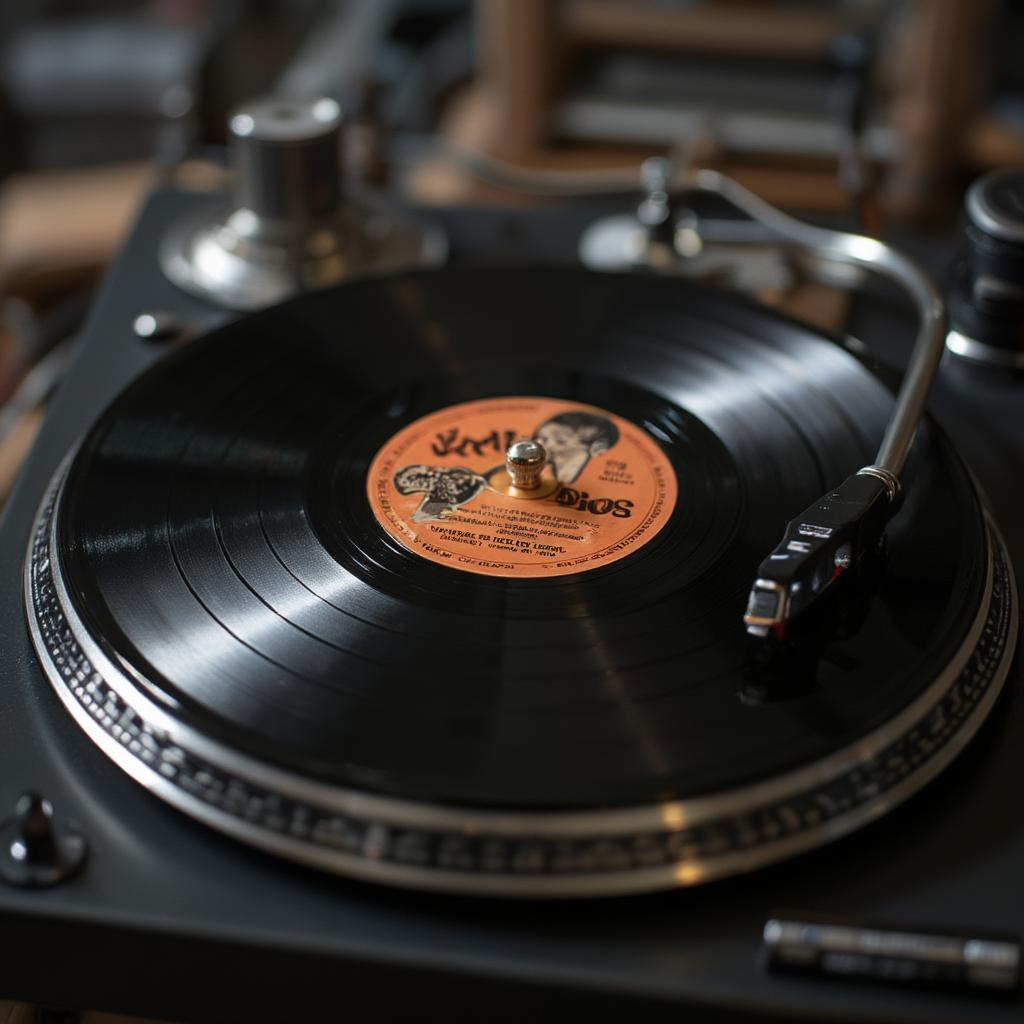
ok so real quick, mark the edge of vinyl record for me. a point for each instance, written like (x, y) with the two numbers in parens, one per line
(509, 853)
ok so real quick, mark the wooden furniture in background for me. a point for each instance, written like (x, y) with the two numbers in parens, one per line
(931, 81)
(940, 95)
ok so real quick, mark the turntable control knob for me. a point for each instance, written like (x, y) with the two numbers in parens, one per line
(35, 829)
(986, 302)
(36, 849)
(289, 226)
(287, 155)
(525, 461)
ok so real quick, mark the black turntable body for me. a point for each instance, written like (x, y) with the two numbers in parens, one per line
(170, 918)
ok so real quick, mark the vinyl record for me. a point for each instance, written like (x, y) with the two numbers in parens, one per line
(287, 543)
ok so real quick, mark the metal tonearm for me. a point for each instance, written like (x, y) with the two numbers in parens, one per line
(832, 534)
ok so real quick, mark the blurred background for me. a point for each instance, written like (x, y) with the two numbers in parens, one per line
(873, 113)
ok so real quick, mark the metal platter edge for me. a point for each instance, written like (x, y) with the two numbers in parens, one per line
(510, 853)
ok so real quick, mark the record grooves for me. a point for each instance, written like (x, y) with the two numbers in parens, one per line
(279, 584)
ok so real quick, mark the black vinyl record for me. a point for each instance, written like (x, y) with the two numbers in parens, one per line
(215, 539)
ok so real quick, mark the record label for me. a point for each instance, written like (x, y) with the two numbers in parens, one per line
(439, 487)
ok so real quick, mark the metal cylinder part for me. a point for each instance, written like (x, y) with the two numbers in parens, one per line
(287, 155)
(287, 228)
(525, 461)
(986, 300)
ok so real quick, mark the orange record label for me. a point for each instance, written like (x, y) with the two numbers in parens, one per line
(440, 488)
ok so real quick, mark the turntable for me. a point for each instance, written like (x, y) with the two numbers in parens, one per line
(373, 635)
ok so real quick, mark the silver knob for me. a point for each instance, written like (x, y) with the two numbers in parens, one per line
(287, 228)
(525, 461)
(287, 154)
